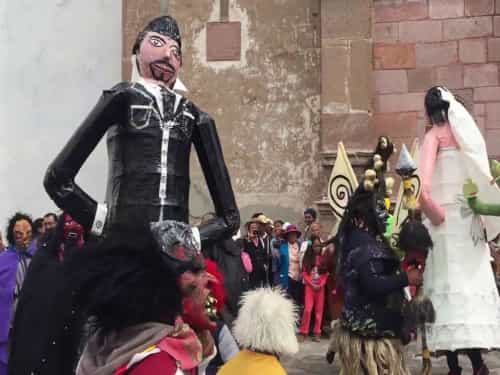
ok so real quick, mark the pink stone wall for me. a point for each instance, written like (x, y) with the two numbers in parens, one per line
(421, 43)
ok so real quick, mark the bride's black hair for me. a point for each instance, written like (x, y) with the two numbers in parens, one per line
(436, 107)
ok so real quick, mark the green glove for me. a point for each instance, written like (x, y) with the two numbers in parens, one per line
(470, 189)
(495, 170)
(389, 224)
(478, 207)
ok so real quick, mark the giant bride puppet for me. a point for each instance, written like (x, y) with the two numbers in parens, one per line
(458, 276)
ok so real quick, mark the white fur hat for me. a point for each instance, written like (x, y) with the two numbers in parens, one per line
(266, 322)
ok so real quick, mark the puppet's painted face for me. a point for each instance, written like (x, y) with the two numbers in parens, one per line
(159, 58)
(383, 143)
(22, 234)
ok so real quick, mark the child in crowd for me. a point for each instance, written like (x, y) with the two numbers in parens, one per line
(315, 277)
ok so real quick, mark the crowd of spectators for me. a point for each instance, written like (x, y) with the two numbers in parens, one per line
(275, 253)
(299, 261)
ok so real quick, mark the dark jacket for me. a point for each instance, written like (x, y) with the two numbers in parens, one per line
(373, 286)
(48, 326)
(148, 152)
(259, 257)
(227, 255)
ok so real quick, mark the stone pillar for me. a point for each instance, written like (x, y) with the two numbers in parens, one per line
(346, 87)
(346, 74)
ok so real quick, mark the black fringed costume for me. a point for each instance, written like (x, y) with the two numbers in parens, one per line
(368, 336)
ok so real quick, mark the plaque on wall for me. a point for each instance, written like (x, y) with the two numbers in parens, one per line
(223, 41)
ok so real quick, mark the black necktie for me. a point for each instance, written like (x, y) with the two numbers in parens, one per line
(168, 104)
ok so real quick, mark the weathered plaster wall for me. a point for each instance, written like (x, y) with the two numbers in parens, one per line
(267, 106)
(56, 57)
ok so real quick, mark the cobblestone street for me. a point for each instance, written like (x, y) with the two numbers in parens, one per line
(311, 361)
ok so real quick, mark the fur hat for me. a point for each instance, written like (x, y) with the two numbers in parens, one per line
(266, 322)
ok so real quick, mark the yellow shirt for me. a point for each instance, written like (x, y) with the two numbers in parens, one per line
(251, 363)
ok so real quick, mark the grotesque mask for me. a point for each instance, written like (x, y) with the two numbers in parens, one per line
(73, 236)
(22, 234)
(180, 251)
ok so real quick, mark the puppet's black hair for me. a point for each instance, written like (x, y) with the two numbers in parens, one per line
(124, 280)
(164, 25)
(12, 222)
(436, 107)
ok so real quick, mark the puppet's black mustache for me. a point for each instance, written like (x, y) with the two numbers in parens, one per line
(163, 64)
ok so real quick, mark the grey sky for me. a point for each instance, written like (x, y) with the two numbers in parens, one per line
(57, 57)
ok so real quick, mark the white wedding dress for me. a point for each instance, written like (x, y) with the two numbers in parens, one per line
(458, 276)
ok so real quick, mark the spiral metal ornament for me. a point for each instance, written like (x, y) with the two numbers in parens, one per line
(340, 190)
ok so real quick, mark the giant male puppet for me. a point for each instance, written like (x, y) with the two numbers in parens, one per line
(150, 131)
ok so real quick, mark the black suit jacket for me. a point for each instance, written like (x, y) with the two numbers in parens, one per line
(148, 151)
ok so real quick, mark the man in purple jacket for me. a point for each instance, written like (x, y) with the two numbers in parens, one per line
(14, 262)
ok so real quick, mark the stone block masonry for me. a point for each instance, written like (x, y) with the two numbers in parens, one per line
(422, 43)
